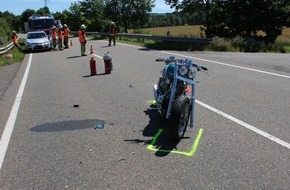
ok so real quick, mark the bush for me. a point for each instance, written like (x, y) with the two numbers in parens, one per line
(253, 45)
(238, 43)
(5, 30)
(282, 46)
(219, 44)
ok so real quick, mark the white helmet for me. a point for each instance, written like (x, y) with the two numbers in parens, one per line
(13, 32)
(112, 23)
(60, 26)
(53, 27)
(65, 26)
(83, 26)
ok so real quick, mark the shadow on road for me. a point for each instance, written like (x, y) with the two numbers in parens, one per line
(86, 76)
(163, 142)
(65, 126)
(72, 57)
(105, 46)
(146, 49)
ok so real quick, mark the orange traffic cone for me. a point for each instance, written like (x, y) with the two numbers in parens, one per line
(92, 51)
(71, 43)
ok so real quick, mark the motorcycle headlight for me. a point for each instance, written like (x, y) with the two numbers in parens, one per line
(192, 72)
(182, 70)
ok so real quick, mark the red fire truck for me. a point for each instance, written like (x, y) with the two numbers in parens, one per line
(41, 22)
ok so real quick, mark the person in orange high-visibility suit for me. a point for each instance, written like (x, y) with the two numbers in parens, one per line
(60, 36)
(53, 37)
(83, 39)
(66, 32)
(113, 32)
(14, 39)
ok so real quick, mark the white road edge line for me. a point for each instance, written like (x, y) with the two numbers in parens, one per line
(220, 63)
(229, 65)
(4, 142)
(246, 125)
(97, 56)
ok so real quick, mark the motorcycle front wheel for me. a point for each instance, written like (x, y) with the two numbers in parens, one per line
(179, 117)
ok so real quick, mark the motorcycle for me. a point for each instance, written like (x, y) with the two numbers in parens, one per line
(172, 94)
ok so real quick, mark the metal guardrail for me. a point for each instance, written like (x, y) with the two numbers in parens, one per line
(6, 48)
(167, 38)
(138, 36)
(156, 38)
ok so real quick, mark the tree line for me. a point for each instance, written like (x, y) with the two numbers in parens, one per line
(259, 19)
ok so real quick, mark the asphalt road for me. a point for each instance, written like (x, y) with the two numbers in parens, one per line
(242, 107)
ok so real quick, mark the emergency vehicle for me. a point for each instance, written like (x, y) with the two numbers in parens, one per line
(38, 22)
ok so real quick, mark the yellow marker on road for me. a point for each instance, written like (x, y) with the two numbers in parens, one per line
(190, 153)
(151, 102)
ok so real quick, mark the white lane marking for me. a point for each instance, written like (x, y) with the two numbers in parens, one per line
(97, 56)
(229, 65)
(217, 62)
(4, 142)
(246, 125)
(128, 45)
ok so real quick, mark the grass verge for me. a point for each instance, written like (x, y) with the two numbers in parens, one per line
(237, 44)
(17, 56)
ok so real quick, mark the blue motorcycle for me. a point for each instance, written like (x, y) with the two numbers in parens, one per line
(174, 94)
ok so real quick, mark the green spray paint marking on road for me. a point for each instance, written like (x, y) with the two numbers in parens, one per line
(190, 153)
(151, 102)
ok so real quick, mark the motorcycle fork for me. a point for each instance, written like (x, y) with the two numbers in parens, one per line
(192, 103)
(171, 100)
(173, 90)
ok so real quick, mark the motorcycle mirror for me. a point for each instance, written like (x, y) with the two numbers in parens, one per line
(204, 68)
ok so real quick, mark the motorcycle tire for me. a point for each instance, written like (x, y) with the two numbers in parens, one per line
(179, 117)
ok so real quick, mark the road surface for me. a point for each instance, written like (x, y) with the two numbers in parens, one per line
(51, 107)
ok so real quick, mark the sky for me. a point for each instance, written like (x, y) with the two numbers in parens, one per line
(18, 6)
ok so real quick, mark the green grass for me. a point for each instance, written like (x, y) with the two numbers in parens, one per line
(17, 56)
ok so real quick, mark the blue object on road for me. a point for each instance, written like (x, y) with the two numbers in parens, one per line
(99, 125)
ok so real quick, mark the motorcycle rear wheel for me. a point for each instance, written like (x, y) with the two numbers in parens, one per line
(179, 117)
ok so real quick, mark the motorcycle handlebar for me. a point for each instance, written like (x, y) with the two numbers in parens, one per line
(199, 67)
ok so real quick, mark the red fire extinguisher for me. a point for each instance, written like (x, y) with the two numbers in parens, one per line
(108, 63)
(93, 66)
